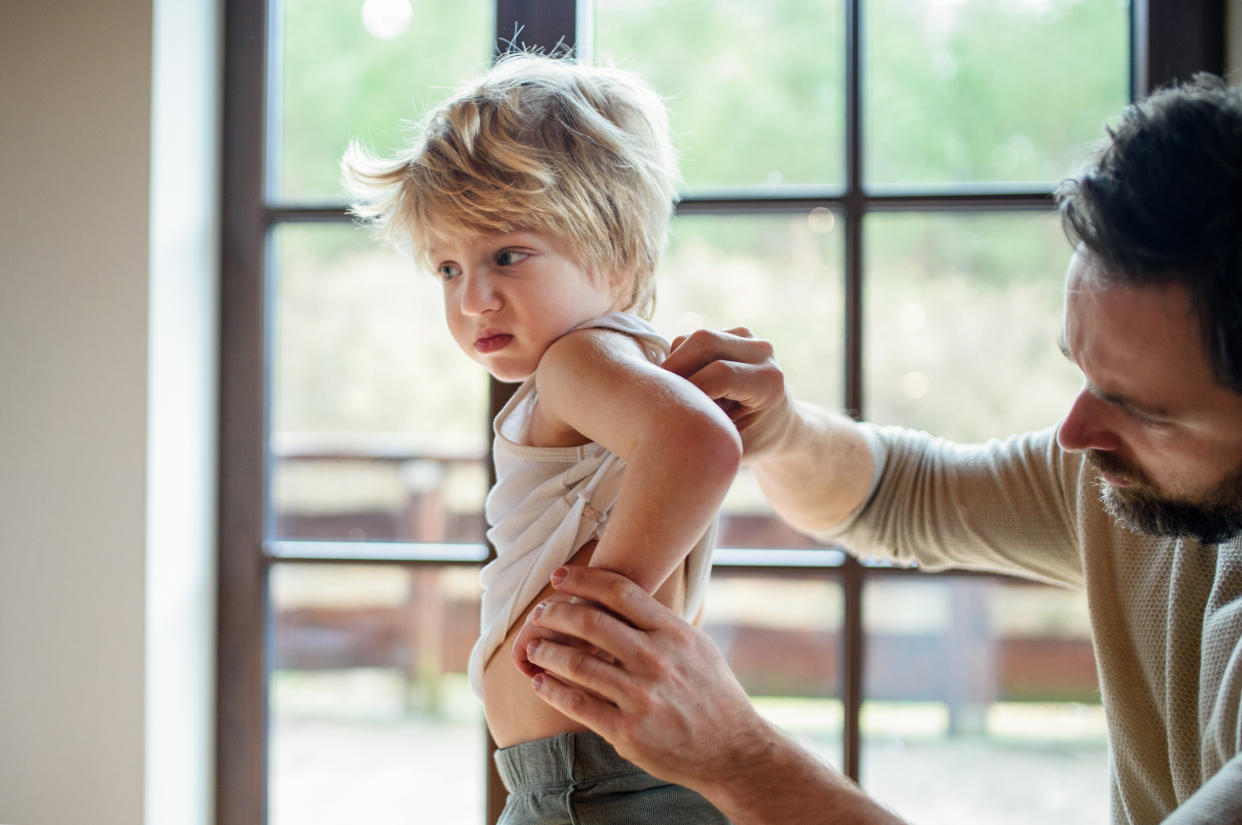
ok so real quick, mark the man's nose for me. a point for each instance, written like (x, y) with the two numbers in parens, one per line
(1087, 425)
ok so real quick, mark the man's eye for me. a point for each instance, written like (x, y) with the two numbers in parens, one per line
(509, 257)
(447, 272)
(1145, 420)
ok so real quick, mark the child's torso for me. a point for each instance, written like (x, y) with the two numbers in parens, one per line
(514, 713)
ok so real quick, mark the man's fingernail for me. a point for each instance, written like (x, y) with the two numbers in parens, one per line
(559, 574)
(531, 647)
(537, 612)
(537, 680)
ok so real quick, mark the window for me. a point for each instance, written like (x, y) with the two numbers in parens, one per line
(867, 184)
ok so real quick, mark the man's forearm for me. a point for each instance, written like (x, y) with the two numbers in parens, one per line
(819, 471)
(783, 784)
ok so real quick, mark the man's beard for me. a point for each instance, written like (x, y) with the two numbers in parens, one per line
(1213, 518)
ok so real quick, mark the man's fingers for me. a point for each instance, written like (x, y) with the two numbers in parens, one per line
(747, 385)
(733, 368)
(530, 631)
(615, 593)
(573, 666)
(690, 353)
(585, 709)
(598, 635)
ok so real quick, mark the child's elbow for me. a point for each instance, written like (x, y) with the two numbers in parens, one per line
(719, 449)
(695, 441)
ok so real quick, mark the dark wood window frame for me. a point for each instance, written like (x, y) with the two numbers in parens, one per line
(1169, 39)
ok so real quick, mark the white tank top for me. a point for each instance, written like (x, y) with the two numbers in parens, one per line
(550, 501)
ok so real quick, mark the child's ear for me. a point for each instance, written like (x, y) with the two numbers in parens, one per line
(621, 290)
(623, 298)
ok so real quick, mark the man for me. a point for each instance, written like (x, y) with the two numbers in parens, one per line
(1136, 496)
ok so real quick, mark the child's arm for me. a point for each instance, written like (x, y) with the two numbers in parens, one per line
(681, 449)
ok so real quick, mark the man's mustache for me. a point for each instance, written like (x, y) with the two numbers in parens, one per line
(1112, 465)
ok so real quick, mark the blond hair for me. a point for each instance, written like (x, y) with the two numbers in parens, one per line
(538, 144)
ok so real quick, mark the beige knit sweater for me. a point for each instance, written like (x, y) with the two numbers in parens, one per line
(1166, 614)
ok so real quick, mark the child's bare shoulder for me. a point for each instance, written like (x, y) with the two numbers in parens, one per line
(595, 381)
(599, 384)
(590, 353)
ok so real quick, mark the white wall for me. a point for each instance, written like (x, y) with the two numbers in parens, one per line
(105, 605)
(182, 347)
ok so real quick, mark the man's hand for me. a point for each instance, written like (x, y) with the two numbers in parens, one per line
(657, 688)
(815, 467)
(667, 701)
(740, 372)
(531, 632)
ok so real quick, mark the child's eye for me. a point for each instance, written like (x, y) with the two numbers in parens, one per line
(509, 257)
(448, 272)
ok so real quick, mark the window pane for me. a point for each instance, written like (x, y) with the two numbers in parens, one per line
(782, 637)
(972, 683)
(357, 70)
(980, 90)
(962, 316)
(755, 90)
(379, 422)
(372, 718)
(779, 275)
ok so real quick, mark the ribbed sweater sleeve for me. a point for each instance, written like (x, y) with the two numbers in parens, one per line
(1166, 613)
(1004, 506)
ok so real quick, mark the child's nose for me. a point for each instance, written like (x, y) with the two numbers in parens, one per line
(479, 295)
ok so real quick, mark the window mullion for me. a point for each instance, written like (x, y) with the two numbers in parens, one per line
(853, 641)
(241, 670)
(1172, 39)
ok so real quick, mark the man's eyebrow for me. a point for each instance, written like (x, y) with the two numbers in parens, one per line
(1128, 405)
(1121, 402)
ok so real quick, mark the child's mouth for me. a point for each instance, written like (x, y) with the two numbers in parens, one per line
(492, 343)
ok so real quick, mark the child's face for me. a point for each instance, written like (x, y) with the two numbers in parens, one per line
(508, 297)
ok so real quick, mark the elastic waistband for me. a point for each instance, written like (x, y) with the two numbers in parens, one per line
(567, 758)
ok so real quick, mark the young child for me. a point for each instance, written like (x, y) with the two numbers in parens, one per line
(540, 195)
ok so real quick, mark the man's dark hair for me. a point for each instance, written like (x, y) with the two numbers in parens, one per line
(1162, 203)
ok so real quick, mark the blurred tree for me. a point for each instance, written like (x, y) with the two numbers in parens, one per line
(989, 90)
(339, 82)
(755, 90)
